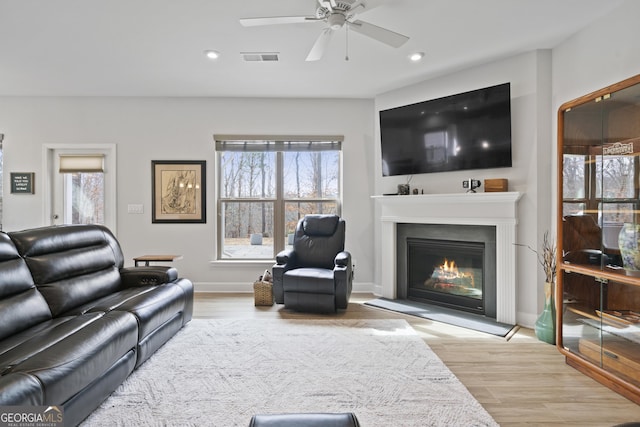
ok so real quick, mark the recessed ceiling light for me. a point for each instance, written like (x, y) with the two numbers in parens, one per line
(416, 56)
(212, 54)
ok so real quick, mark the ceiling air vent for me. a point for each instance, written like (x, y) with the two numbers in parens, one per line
(260, 56)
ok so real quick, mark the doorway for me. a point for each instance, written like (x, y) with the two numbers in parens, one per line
(81, 179)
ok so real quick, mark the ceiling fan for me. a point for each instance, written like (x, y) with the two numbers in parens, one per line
(336, 14)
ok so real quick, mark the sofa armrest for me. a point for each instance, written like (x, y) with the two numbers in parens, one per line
(147, 275)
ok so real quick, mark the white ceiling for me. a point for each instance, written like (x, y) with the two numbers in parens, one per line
(155, 47)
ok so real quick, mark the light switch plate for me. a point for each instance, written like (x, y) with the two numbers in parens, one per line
(135, 209)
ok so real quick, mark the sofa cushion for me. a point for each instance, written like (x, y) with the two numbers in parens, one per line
(309, 280)
(22, 311)
(51, 239)
(15, 277)
(20, 389)
(21, 305)
(71, 265)
(66, 294)
(74, 361)
(21, 346)
(317, 240)
(320, 225)
(110, 302)
(152, 305)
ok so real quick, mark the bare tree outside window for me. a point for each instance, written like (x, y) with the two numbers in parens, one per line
(87, 198)
(610, 183)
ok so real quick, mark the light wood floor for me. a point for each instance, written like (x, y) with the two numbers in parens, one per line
(520, 381)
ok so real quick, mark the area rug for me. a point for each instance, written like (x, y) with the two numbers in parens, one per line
(444, 315)
(221, 372)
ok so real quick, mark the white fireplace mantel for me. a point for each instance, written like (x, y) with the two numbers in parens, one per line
(495, 209)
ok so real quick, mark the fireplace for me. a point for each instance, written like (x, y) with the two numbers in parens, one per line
(496, 210)
(448, 265)
(446, 273)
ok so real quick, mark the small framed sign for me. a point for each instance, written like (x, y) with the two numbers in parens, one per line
(22, 183)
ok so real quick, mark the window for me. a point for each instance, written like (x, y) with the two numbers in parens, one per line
(266, 185)
(605, 185)
(574, 183)
(83, 189)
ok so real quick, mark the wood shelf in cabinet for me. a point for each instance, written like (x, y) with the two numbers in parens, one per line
(608, 273)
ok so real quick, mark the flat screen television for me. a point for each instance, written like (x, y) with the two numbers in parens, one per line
(470, 130)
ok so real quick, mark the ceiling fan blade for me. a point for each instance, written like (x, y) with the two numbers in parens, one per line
(320, 45)
(383, 35)
(275, 20)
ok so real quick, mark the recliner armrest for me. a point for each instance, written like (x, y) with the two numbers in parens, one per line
(147, 275)
(343, 259)
(285, 257)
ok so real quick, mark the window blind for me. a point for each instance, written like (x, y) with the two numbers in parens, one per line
(81, 163)
(263, 143)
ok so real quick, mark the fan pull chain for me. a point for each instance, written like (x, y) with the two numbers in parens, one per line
(346, 55)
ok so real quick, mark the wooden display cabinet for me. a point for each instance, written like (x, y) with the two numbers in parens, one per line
(598, 288)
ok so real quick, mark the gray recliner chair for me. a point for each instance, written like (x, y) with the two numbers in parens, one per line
(316, 275)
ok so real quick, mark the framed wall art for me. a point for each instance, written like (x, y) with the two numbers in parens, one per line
(178, 191)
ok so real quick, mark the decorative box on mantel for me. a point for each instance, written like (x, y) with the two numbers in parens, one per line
(497, 209)
(497, 184)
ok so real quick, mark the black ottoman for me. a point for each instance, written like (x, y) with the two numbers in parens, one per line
(305, 420)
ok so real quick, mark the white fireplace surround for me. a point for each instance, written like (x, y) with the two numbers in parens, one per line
(495, 209)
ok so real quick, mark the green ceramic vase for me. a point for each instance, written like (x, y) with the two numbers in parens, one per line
(545, 326)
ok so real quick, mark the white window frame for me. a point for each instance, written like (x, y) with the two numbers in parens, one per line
(279, 199)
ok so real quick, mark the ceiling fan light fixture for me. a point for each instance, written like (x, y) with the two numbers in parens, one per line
(212, 54)
(416, 56)
(336, 21)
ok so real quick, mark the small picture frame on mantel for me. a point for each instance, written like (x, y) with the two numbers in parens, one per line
(22, 183)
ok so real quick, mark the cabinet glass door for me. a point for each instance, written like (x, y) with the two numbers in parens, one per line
(582, 180)
(620, 327)
(581, 324)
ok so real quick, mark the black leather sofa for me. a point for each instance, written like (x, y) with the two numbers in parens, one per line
(73, 322)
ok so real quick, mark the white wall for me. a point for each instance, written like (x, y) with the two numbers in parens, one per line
(602, 54)
(147, 129)
(529, 75)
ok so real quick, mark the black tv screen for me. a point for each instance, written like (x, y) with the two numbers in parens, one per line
(470, 130)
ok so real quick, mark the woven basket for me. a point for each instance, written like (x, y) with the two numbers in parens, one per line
(263, 293)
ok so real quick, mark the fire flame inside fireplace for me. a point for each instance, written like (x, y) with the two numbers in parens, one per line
(448, 275)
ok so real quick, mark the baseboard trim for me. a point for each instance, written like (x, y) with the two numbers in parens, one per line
(242, 287)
